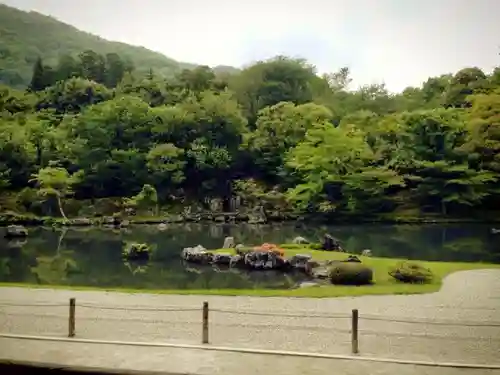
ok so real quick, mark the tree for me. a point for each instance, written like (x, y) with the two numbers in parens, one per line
(334, 165)
(147, 199)
(278, 129)
(270, 82)
(39, 77)
(56, 182)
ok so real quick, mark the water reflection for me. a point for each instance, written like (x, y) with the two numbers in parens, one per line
(93, 256)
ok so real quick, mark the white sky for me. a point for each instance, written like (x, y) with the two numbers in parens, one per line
(399, 42)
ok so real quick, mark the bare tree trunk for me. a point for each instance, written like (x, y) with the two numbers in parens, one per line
(59, 204)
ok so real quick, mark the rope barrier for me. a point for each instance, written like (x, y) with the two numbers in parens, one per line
(267, 314)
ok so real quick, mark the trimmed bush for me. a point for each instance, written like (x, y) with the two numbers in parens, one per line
(136, 251)
(410, 272)
(348, 273)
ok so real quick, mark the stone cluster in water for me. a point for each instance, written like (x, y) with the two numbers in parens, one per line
(250, 259)
(265, 257)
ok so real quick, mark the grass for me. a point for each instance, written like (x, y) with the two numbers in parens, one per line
(384, 284)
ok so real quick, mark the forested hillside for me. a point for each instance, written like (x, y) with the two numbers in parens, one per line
(26, 36)
(276, 136)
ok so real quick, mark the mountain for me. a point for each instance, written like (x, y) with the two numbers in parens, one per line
(25, 36)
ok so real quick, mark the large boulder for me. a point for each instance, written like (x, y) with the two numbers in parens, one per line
(330, 243)
(301, 262)
(16, 231)
(228, 243)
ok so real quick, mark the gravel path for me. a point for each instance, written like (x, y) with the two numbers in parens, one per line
(470, 297)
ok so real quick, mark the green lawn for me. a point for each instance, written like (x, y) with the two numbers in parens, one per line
(383, 283)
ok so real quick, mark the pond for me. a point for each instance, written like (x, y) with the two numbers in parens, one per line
(92, 256)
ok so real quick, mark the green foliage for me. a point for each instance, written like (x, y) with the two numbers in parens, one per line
(410, 272)
(147, 199)
(55, 182)
(136, 251)
(350, 273)
(275, 135)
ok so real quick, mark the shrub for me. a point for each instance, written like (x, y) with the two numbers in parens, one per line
(348, 273)
(292, 246)
(316, 246)
(409, 272)
(136, 251)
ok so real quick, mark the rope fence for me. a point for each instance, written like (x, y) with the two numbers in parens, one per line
(205, 313)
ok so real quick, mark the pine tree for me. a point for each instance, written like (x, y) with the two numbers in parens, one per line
(38, 81)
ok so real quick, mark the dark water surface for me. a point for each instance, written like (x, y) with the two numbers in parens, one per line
(92, 256)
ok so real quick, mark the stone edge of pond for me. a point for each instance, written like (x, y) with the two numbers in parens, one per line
(258, 293)
(215, 219)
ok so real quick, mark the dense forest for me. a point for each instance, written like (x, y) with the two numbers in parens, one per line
(276, 136)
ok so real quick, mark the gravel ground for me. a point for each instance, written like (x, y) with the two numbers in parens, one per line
(467, 299)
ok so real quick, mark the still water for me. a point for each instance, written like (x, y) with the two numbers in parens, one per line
(92, 256)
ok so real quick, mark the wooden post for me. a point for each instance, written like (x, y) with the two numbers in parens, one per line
(204, 333)
(354, 332)
(72, 304)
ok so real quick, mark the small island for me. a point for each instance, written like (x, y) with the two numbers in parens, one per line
(327, 271)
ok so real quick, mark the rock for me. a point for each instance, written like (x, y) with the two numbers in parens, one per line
(320, 273)
(220, 219)
(352, 259)
(301, 262)
(264, 260)
(222, 259)
(111, 220)
(300, 240)
(124, 223)
(237, 261)
(199, 248)
(15, 243)
(307, 284)
(330, 243)
(197, 254)
(495, 231)
(16, 231)
(162, 226)
(129, 211)
(175, 219)
(228, 243)
(366, 253)
(80, 222)
(311, 263)
(258, 216)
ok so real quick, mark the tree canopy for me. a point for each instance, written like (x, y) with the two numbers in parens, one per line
(95, 126)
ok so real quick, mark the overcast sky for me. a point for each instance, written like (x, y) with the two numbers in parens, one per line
(399, 42)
